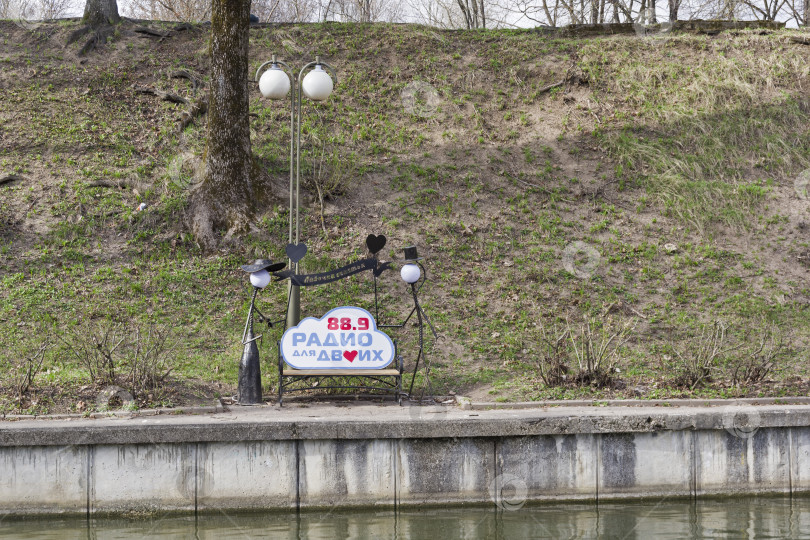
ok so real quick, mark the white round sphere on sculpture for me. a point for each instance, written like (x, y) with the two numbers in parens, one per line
(260, 279)
(274, 83)
(410, 273)
(317, 84)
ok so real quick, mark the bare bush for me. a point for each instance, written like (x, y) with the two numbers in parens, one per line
(582, 355)
(95, 347)
(554, 358)
(331, 175)
(596, 349)
(24, 371)
(756, 361)
(129, 355)
(703, 354)
(147, 358)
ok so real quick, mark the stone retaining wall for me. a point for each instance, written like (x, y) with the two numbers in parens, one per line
(212, 463)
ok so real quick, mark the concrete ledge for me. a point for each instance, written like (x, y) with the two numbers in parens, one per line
(389, 422)
(389, 456)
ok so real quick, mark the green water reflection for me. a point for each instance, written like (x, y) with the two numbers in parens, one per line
(667, 519)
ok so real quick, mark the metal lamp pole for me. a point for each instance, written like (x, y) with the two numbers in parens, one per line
(275, 84)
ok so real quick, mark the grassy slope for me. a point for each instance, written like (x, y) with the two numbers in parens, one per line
(689, 140)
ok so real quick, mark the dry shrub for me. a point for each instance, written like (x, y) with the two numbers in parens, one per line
(589, 351)
(759, 356)
(128, 354)
(25, 370)
(703, 354)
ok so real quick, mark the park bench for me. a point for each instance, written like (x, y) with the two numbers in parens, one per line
(386, 380)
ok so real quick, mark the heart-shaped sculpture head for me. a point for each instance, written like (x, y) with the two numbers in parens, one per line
(296, 252)
(375, 243)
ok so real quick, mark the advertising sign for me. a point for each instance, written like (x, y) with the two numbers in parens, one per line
(345, 338)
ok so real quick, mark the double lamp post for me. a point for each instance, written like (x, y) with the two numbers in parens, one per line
(275, 83)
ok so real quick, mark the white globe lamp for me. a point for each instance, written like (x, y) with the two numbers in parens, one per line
(260, 279)
(317, 84)
(410, 273)
(274, 83)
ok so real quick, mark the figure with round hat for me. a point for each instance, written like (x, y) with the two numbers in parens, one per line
(250, 375)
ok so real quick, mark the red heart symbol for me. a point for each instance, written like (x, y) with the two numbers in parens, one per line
(350, 355)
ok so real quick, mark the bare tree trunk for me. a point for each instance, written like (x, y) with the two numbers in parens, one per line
(101, 12)
(224, 196)
(674, 5)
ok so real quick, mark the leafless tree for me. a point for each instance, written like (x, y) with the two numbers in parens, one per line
(542, 13)
(200, 10)
(34, 9)
(293, 11)
(474, 13)
(764, 10)
(470, 14)
(799, 11)
(362, 10)
(54, 9)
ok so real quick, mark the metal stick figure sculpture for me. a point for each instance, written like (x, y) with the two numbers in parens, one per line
(410, 273)
(250, 375)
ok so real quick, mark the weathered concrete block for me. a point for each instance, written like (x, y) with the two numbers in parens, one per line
(547, 467)
(247, 475)
(800, 459)
(142, 478)
(43, 479)
(346, 473)
(645, 464)
(436, 471)
(728, 463)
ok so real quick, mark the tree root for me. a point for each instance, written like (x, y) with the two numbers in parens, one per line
(10, 178)
(187, 118)
(195, 81)
(197, 108)
(76, 34)
(206, 216)
(99, 37)
(165, 96)
(145, 31)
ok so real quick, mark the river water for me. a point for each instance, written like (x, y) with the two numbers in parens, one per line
(762, 517)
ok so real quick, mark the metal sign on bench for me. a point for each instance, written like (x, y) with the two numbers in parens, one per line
(344, 338)
(345, 342)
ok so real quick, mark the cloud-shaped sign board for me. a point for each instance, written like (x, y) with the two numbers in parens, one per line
(344, 338)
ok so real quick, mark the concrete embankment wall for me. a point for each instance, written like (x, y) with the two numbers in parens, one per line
(386, 456)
